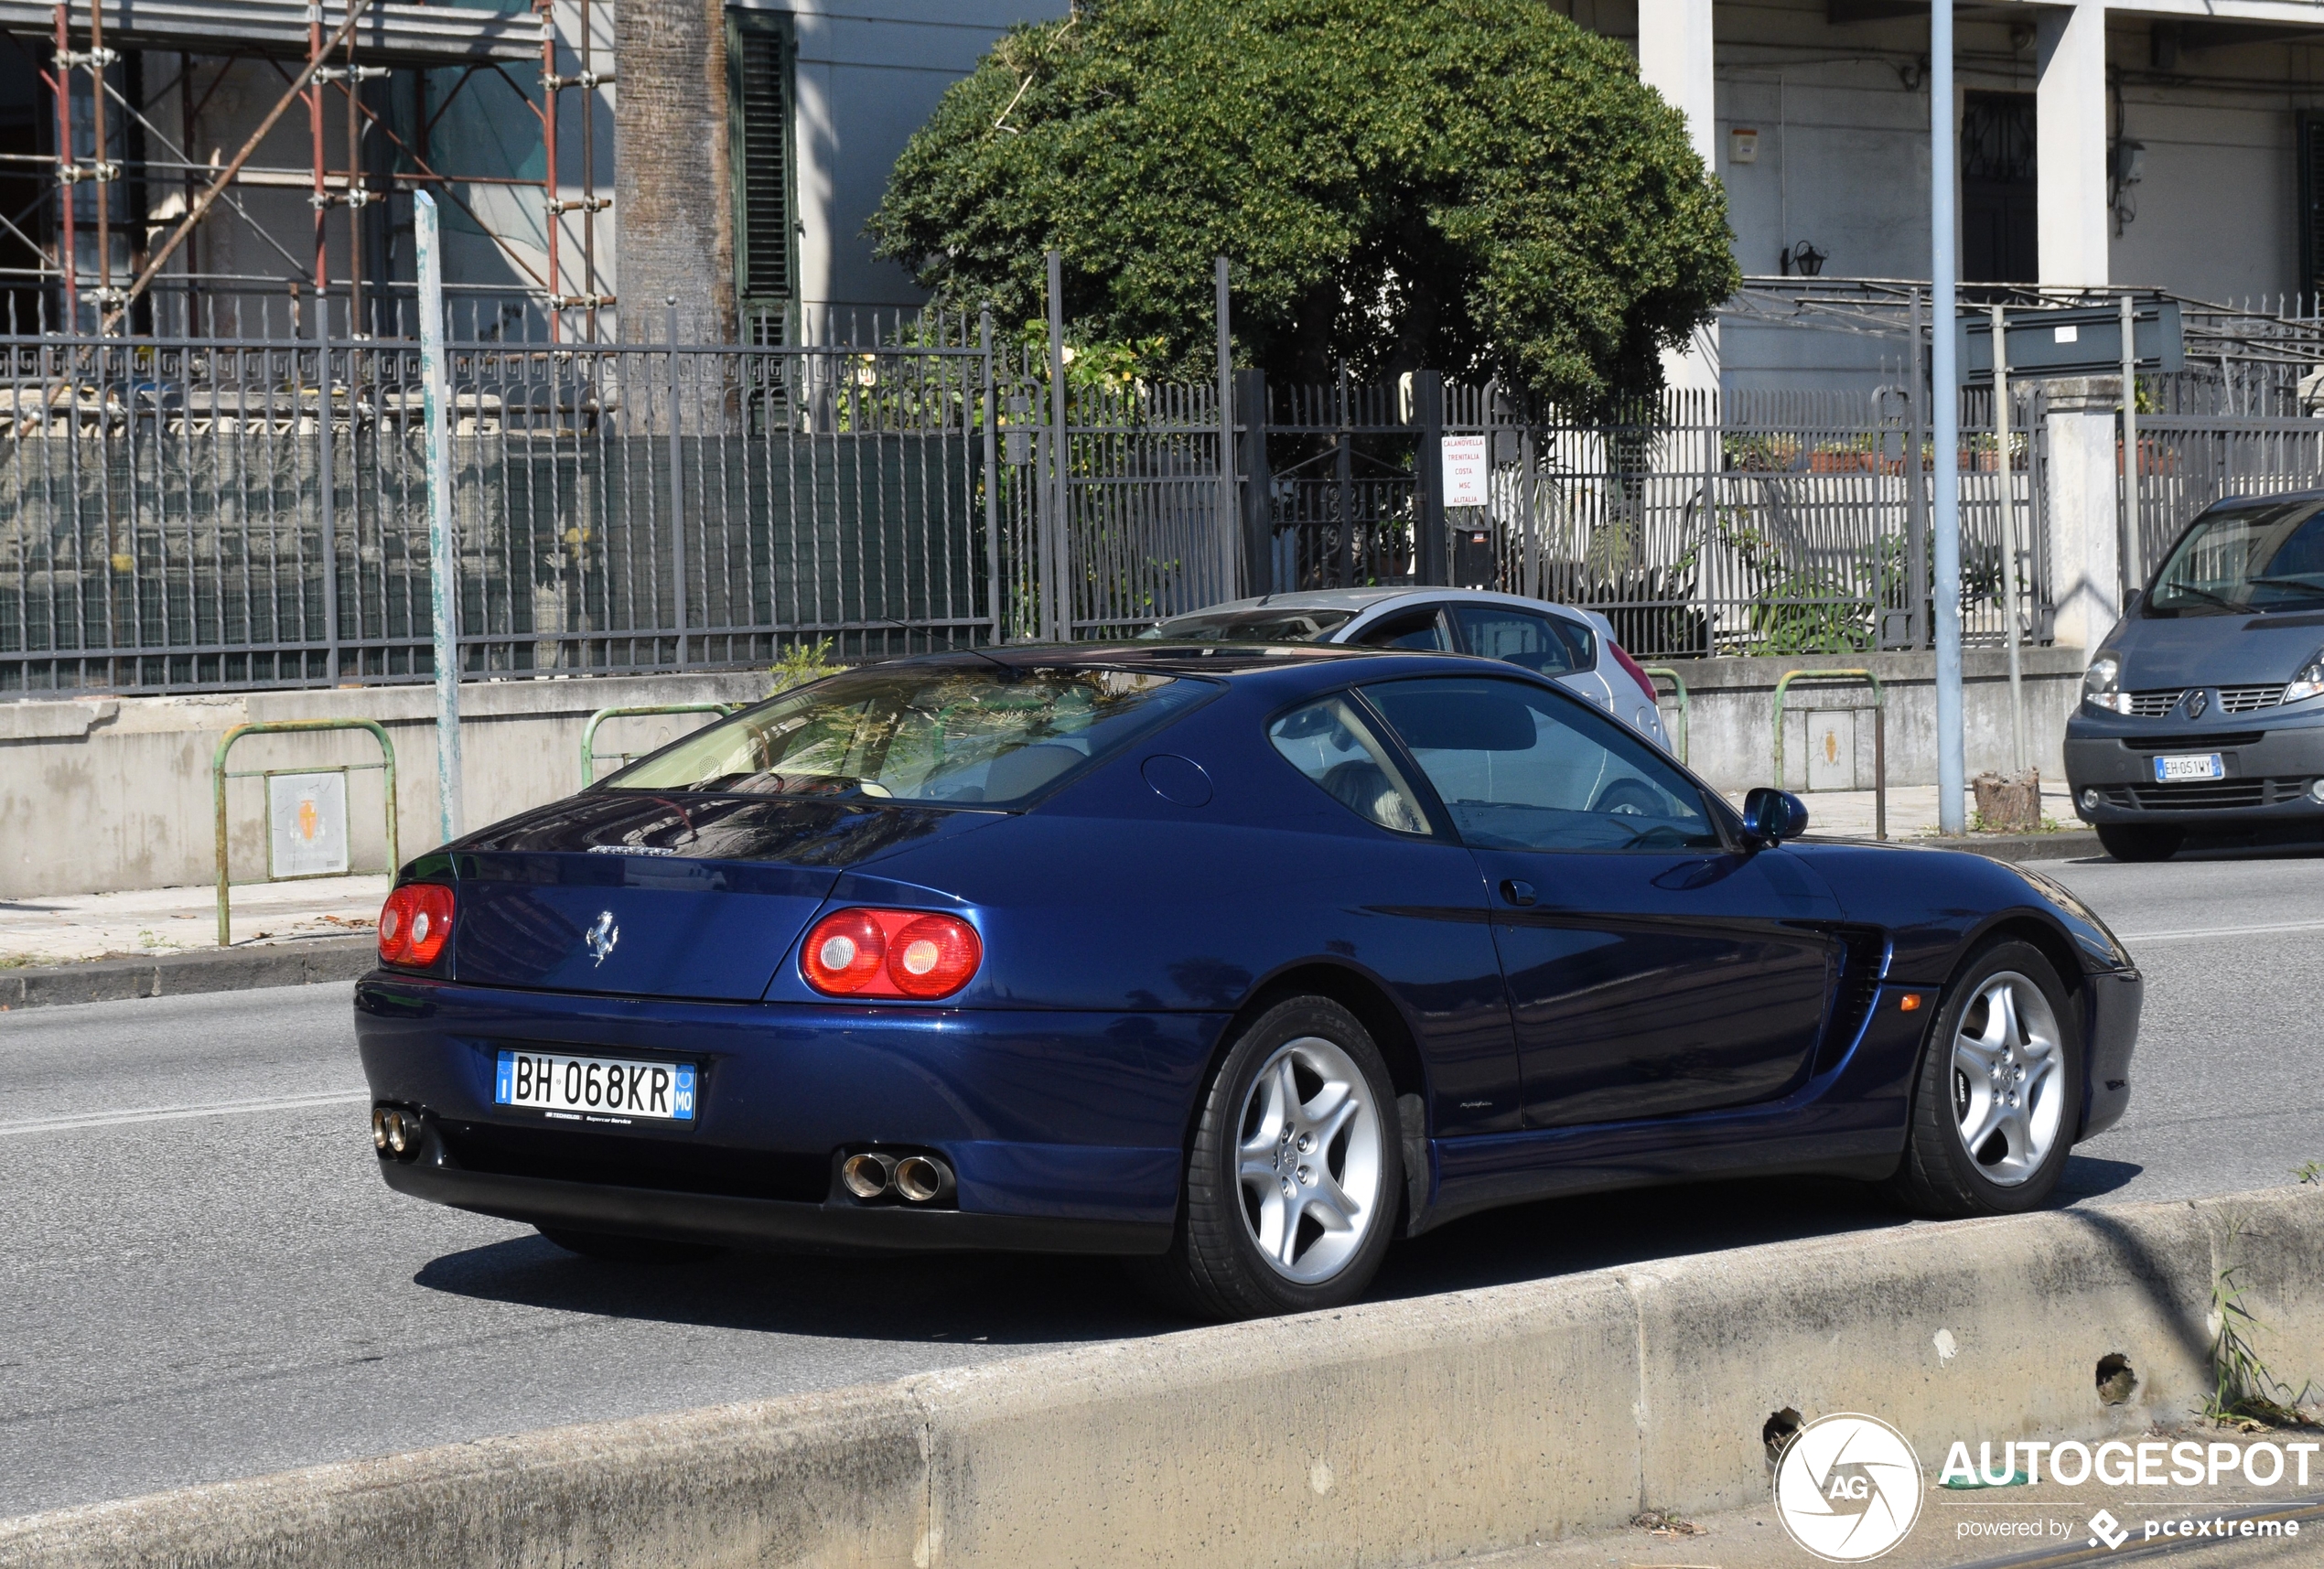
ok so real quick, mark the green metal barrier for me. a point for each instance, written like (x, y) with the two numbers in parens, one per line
(219, 776)
(1879, 734)
(1678, 681)
(589, 734)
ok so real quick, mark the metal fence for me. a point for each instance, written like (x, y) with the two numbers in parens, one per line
(220, 511)
(226, 512)
(2186, 463)
(1752, 524)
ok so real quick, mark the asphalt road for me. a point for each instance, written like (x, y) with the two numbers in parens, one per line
(201, 1276)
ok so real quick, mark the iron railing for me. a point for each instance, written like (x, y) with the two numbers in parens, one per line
(222, 511)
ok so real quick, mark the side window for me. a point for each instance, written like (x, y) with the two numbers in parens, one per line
(1521, 637)
(1330, 743)
(1411, 630)
(1581, 637)
(1520, 769)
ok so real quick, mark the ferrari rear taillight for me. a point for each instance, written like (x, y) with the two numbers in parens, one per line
(889, 953)
(416, 924)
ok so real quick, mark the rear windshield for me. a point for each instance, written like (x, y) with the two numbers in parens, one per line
(984, 734)
(1266, 624)
(2238, 560)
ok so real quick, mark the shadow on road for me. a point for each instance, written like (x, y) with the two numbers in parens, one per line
(1002, 1299)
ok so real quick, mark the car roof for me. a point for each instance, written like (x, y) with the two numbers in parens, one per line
(1361, 599)
(1220, 660)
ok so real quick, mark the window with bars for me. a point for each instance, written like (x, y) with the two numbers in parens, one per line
(759, 72)
(2311, 198)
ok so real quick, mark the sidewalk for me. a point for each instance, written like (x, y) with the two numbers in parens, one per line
(68, 928)
(1912, 811)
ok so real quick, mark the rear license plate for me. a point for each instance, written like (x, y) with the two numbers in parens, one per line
(586, 1088)
(2194, 766)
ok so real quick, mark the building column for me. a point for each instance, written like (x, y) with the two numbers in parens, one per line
(2070, 143)
(2085, 577)
(1674, 59)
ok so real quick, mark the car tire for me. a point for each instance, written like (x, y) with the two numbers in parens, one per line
(617, 1249)
(1298, 1124)
(1998, 1098)
(2140, 842)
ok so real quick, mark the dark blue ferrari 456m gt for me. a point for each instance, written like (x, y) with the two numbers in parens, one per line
(1242, 961)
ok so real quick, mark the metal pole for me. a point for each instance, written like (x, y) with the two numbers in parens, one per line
(321, 200)
(102, 172)
(677, 490)
(326, 478)
(992, 601)
(1055, 585)
(67, 175)
(1429, 565)
(1915, 494)
(1230, 528)
(435, 390)
(2008, 539)
(1946, 419)
(2130, 548)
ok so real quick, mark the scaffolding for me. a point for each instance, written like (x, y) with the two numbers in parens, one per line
(338, 48)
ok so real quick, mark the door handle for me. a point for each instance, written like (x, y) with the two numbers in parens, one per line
(1515, 892)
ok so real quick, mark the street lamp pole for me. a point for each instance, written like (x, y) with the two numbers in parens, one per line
(1945, 421)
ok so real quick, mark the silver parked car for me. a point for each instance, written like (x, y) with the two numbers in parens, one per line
(1574, 648)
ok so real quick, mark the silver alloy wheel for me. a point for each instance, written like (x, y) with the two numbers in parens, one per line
(1307, 1160)
(2008, 1094)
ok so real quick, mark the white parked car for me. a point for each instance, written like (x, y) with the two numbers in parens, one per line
(1573, 646)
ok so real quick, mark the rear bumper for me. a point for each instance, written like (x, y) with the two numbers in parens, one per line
(1065, 1131)
(2271, 763)
(729, 1222)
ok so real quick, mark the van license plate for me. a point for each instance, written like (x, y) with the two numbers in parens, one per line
(595, 1089)
(2200, 765)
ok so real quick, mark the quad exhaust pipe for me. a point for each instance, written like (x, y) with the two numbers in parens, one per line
(915, 1178)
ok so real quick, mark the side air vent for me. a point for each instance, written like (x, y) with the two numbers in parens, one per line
(1863, 955)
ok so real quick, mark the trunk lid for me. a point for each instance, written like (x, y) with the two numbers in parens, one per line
(663, 896)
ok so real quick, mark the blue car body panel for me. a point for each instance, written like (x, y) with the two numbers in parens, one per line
(1748, 1010)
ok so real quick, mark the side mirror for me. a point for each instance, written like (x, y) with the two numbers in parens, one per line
(2131, 601)
(1771, 816)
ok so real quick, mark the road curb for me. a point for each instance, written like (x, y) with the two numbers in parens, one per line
(1386, 1432)
(2065, 845)
(302, 963)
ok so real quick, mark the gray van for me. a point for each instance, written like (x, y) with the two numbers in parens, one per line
(2201, 711)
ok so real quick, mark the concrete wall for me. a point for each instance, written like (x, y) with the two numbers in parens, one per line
(1732, 740)
(118, 790)
(116, 794)
(1386, 1432)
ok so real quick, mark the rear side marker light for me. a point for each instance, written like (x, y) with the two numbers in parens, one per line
(890, 953)
(414, 924)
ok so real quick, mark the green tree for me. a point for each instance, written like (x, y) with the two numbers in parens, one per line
(1478, 185)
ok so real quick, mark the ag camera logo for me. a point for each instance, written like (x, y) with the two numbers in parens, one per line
(1849, 1487)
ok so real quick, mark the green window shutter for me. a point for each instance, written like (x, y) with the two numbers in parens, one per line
(758, 73)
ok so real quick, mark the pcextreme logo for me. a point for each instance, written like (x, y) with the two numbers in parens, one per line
(1849, 1487)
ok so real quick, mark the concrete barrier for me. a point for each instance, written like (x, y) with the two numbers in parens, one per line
(1388, 1432)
